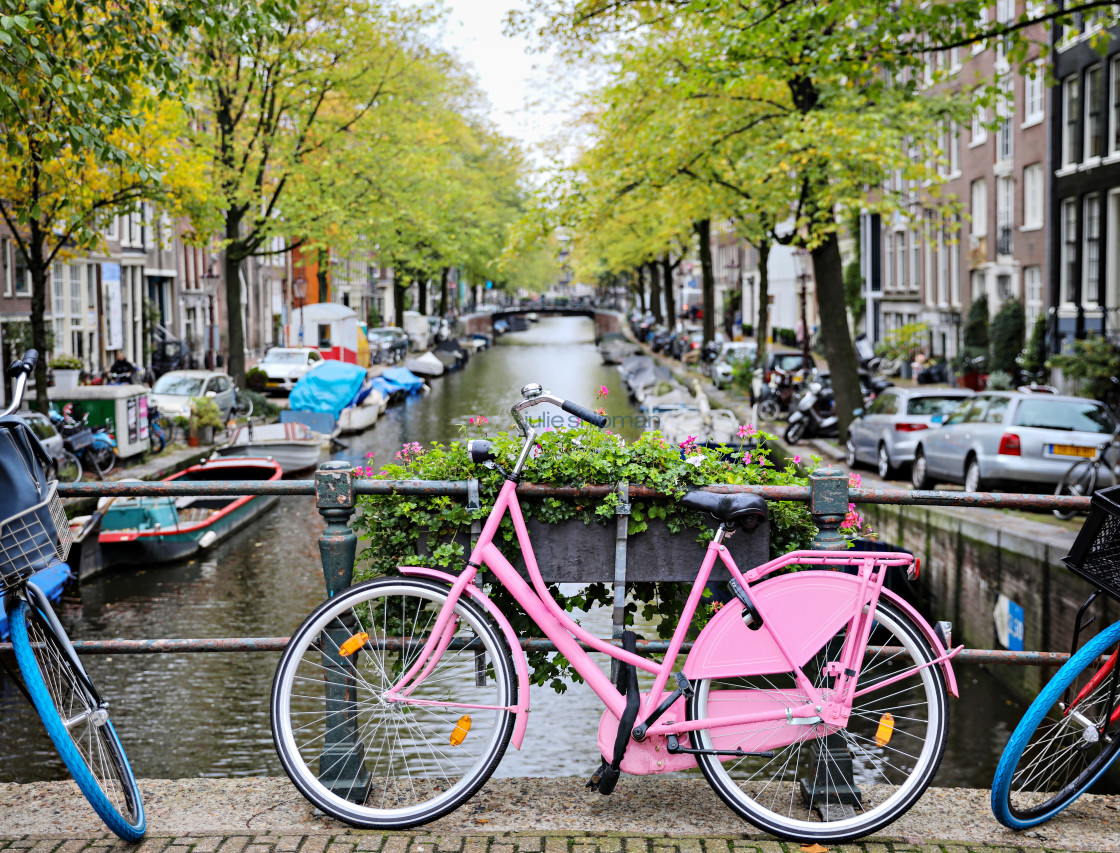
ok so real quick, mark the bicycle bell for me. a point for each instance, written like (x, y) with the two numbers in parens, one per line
(531, 391)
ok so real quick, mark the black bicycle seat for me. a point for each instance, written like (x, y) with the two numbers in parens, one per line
(730, 509)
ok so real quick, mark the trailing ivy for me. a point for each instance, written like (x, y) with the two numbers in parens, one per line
(435, 531)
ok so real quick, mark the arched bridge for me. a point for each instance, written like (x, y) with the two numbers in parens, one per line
(606, 321)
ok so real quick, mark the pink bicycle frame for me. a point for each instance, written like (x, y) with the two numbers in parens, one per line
(791, 651)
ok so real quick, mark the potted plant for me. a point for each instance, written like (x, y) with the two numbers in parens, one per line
(205, 418)
(67, 371)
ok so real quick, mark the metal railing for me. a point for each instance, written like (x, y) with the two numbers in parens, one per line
(336, 487)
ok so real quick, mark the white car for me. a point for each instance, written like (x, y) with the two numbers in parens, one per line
(285, 366)
(173, 391)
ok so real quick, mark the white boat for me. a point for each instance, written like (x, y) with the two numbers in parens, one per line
(294, 446)
(425, 365)
(362, 416)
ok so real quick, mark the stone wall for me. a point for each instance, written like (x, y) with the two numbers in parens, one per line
(970, 556)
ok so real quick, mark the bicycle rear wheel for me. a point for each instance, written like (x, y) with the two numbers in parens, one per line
(801, 793)
(80, 730)
(1079, 481)
(1054, 755)
(383, 763)
(242, 405)
(67, 467)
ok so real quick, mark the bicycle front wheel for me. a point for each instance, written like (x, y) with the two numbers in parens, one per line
(67, 467)
(80, 730)
(379, 762)
(1079, 481)
(1056, 753)
(243, 406)
(830, 787)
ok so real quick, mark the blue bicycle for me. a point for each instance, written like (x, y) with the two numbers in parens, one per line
(33, 537)
(1070, 735)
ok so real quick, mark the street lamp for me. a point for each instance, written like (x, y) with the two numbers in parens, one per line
(802, 266)
(299, 293)
(210, 276)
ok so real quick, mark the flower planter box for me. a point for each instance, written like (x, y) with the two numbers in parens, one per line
(65, 378)
(572, 551)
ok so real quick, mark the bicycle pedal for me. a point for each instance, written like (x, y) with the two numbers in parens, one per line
(593, 782)
(609, 780)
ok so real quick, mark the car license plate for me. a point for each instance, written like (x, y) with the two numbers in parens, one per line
(1072, 450)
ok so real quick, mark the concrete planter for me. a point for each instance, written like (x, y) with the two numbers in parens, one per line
(65, 378)
(572, 551)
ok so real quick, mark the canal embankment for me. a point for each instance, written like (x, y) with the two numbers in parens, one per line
(534, 815)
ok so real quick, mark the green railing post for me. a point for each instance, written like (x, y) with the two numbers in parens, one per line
(342, 760)
(828, 502)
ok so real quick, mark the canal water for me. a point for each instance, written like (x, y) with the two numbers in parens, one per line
(189, 715)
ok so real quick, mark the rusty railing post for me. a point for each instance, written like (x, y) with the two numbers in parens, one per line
(341, 762)
(832, 787)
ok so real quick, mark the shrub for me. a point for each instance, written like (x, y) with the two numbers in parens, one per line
(999, 380)
(66, 362)
(393, 525)
(1033, 359)
(974, 335)
(205, 413)
(904, 342)
(262, 406)
(1093, 361)
(256, 379)
(1007, 333)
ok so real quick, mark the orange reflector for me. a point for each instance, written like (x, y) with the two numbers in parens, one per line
(459, 733)
(353, 644)
(885, 730)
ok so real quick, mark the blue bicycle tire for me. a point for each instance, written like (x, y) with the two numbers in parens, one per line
(129, 826)
(1007, 812)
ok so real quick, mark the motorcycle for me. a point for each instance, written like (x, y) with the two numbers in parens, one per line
(778, 395)
(814, 416)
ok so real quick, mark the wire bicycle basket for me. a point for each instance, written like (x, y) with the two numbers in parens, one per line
(34, 539)
(1095, 554)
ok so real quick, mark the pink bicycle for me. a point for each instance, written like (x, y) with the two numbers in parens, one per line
(815, 702)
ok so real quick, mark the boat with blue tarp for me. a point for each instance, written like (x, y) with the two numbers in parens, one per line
(343, 391)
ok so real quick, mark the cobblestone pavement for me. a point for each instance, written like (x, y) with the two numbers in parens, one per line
(376, 842)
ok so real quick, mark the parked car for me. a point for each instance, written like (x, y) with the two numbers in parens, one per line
(173, 391)
(388, 345)
(886, 433)
(45, 431)
(285, 366)
(1002, 437)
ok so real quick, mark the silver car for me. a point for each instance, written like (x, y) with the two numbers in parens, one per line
(999, 437)
(173, 391)
(886, 433)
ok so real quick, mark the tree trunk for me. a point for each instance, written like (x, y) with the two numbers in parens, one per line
(400, 279)
(670, 299)
(708, 282)
(39, 283)
(641, 280)
(323, 274)
(443, 291)
(762, 330)
(835, 335)
(422, 295)
(655, 291)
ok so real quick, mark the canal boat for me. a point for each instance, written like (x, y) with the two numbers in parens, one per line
(396, 383)
(426, 365)
(615, 346)
(144, 531)
(295, 446)
(343, 391)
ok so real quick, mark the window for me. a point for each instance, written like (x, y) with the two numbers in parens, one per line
(1006, 113)
(1071, 108)
(1032, 285)
(1034, 94)
(58, 297)
(1068, 250)
(1005, 11)
(1003, 287)
(982, 24)
(900, 260)
(979, 208)
(324, 336)
(114, 232)
(915, 259)
(997, 408)
(1032, 196)
(978, 285)
(23, 276)
(954, 265)
(1094, 118)
(979, 126)
(954, 59)
(1114, 109)
(943, 268)
(76, 294)
(888, 265)
(1091, 291)
(953, 150)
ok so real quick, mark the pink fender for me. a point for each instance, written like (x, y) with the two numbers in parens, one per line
(519, 663)
(806, 608)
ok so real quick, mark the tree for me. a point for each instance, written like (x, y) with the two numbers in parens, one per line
(974, 336)
(1008, 330)
(89, 127)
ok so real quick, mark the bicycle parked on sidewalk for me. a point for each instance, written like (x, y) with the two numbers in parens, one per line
(396, 699)
(35, 534)
(1084, 476)
(1070, 734)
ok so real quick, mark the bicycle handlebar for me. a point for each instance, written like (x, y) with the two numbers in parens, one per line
(584, 414)
(19, 370)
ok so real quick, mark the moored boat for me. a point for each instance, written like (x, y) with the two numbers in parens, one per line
(295, 446)
(426, 365)
(148, 530)
(344, 392)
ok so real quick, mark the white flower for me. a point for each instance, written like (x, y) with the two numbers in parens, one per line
(696, 460)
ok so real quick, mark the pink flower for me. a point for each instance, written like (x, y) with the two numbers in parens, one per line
(746, 459)
(854, 480)
(689, 444)
(746, 430)
(796, 460)
(604, 390)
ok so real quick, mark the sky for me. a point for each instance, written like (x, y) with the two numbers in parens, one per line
(528, 102)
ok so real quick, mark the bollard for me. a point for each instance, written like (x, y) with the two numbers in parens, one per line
(341, 762)
(832, 789)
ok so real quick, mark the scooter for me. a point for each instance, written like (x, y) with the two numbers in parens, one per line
(815, 415)
(95, 447)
